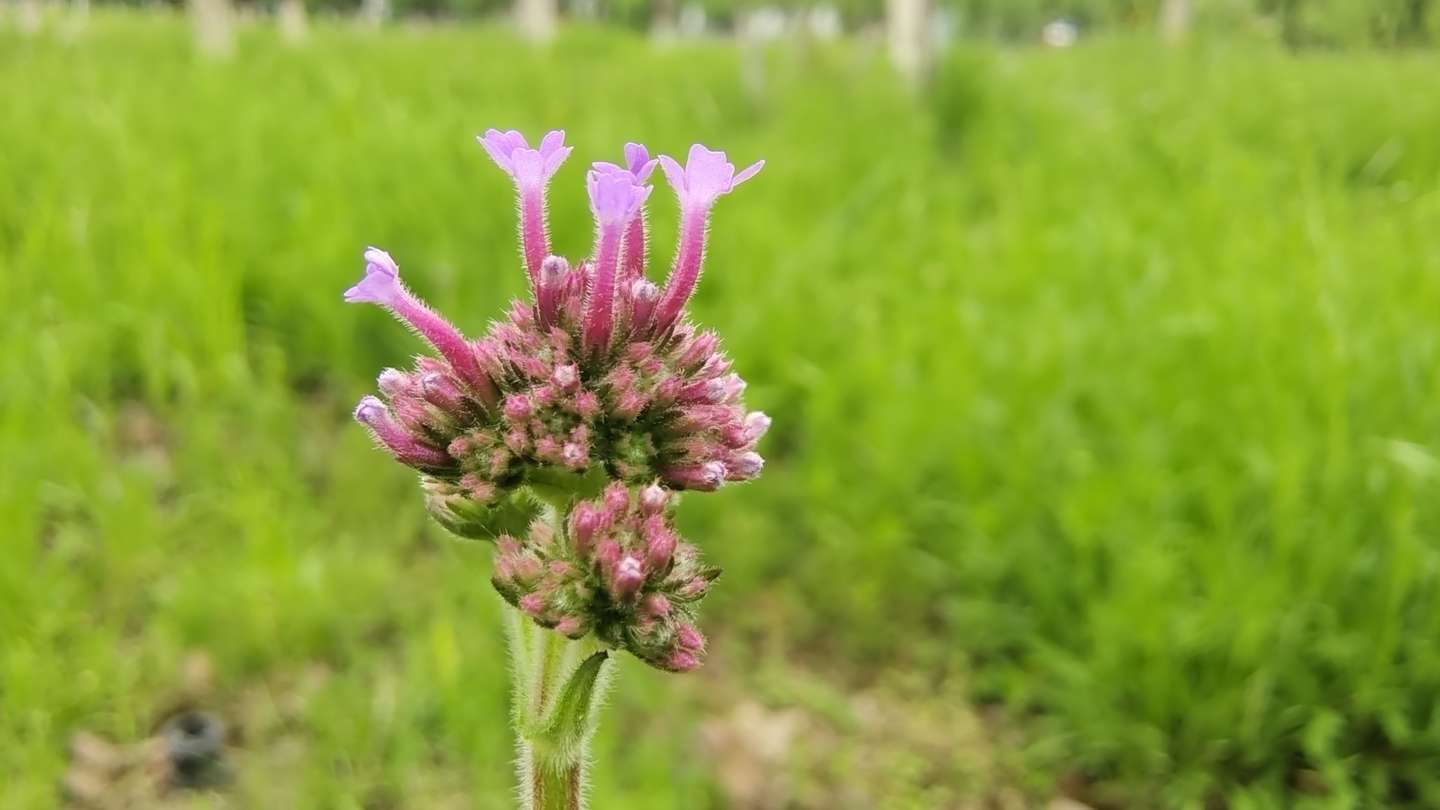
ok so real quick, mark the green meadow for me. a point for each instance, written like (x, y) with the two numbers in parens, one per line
(1105, 386)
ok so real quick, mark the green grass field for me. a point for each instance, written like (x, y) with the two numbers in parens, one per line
(1106, 388)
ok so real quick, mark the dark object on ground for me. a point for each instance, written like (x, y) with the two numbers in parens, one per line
(195, 747)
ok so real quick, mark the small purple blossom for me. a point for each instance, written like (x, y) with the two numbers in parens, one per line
(529, 167)
(615, 198)
(706, 176)
(381, 282)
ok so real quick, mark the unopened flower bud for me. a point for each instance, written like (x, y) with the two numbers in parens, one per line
(587, 405)
(689, 638)
(653, 499)
(617, 498)
(392, 381)
(575, 456)
(706, 477)
(744, 466)
(660, 545)
(628, 577)
(566, 377)
(518, 408)
(585, 521)
(657, 606)
(681, 661)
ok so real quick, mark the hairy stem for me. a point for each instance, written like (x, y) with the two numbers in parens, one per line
(556, 694)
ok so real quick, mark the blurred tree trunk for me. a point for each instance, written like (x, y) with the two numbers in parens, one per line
(375, 12)
(907, 28)
(1175, 16)
(536, 19)
(214, 27)
(294, 26)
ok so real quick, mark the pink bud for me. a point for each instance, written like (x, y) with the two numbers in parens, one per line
(689, 638)
(717, 365)
(570, 627)
(653, 499)
(698, 350)
(617, 499)
(628, 576)
(695, 588)
(630, 403)
(392, 381)
(744, 466)
(478, 489)
(681, 661)
(607, 555)
(585, 521)
(587, 405)
(706, 477)
(756, 425)
(566, 377)
(574, 456)
(533, 604)
(518, 408)
(517, 441)
(660, 546)
(547, 449)
(657, 606)
(550, 288)
(443, 393)
(667, 391)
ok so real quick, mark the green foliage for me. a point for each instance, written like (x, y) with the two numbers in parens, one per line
(1112, 373)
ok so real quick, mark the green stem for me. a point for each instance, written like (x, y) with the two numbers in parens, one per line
(553, 732)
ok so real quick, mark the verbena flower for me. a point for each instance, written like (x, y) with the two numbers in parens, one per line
(596, 387)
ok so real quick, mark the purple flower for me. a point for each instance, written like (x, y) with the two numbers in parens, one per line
(381, 284)
(532, 170)
(638, 163)
(707, 175)
(529, 167)
(615, 198)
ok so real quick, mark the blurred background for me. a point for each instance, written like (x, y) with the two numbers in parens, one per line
(1102, 340)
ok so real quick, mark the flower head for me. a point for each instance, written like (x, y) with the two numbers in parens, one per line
(595, 394)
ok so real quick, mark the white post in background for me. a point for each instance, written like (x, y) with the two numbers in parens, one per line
(214, 34)
(1175, 20)
(293, 25)
(28, 16)
(536, 19)
(907, 29)
(375, 12)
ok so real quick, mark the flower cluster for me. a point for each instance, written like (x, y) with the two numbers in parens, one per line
(617, 568)
(597, 379)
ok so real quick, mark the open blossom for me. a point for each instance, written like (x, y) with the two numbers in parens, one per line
(596, 393)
